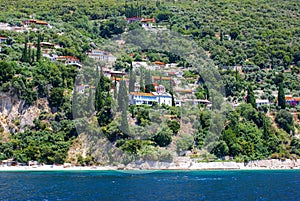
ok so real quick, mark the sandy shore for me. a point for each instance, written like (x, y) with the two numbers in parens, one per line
(155, 165)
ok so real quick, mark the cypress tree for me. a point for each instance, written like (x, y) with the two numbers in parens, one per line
(32, 56)
(90, 101)
(148, 82)
(29, 54)
(38, 49)
(221, 35)
(132, 80)
(122, 96)
(115, 89)
(124, 122)
(75, 104)
(173, 99)
(103, 100)
(281, 96)
(24, 57)
(250, 97)
(142, 87)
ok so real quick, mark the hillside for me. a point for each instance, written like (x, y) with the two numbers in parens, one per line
(110, 82)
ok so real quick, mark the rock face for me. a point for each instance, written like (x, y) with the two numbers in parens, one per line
(16, 116)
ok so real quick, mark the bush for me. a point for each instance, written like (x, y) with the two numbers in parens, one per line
(184, 143)
(285, 120)
(163, 137)
(174, 126)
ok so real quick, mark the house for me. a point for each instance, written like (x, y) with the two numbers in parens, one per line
(33, 21)
(47, 45)
(104, 56)
(292, 101)
(139, 98)
(262, 102)
(69, 60)
(174, 74)
(113, 74)
(133, 19)
(163, 98)
(159, 88)
(3, 39)
(148, 22)
(158, 78)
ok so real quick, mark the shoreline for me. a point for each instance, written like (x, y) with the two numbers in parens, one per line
(272, 164)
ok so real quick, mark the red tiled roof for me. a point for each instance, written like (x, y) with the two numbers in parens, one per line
(3, 37)
(163, 78)
(35, 22)
(159, 63)
(67, 58)
(148, 20)
(141, 94)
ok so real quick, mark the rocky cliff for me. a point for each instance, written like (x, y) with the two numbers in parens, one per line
(16, 116)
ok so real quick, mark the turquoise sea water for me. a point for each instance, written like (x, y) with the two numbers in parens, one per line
(159, 185)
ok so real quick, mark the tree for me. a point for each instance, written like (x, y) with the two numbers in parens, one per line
(174, 126)
(148, 82)
(124, 122)
(7, 71)
(38, 49)
(163, 137)
(142, 87)
(285, 120)
(24, 57)
(221, 149)
(103, 100)
(122, 96)
(114, 25)
(132, 80)
(281, 97)
(184, 143)
(250, 97)
(56, 97)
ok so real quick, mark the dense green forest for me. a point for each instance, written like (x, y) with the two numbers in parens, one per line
(261, 36)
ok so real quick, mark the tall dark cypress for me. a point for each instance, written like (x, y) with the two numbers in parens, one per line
(124, 122)
(24, 57)
(250, 97)
(132, 80)
(29, 54)
(103, 100)
(148, 82)
(122, 96)
(281, 97)
(142, 87)
(38, 49)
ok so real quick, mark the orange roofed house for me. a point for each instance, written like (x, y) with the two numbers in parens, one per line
(3, 39)
(69, 60)
(293, 101)
(139, 98)
(33, 21)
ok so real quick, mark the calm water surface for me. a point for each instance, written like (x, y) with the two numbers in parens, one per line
(159, 185)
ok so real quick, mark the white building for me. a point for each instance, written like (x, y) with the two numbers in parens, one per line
(163, 98)
(104, 56)
(262, 102)
(139, 98)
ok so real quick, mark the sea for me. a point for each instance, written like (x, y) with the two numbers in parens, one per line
(158, 185)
